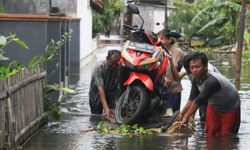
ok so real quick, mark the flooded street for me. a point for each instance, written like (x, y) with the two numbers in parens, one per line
(67, 135)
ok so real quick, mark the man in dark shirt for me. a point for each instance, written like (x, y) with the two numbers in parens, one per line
(223, 110)
(104, 89)
(185, 71)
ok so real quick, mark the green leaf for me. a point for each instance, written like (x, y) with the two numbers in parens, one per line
(3, 40)
(68, 90)
(48, 90)
(56, 113)
(34, 61)
(105, 131)
(21, 43)
(209, 24)
(100, 125)
(135, 126)
(50, 57)
(3, 58)
(123, 127)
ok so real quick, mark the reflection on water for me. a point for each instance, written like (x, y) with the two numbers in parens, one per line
(67, 135)
(227, 142)
(226, 65)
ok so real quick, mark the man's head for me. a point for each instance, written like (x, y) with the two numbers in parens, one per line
(113, 58)
(198, 64)
(166, 37)
(185, 61)
(169, 37)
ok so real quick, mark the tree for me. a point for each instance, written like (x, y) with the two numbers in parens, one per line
(207, 18)
(1, 7)
(219, 19)
(181, 18)
(240, 44)
(112, 9)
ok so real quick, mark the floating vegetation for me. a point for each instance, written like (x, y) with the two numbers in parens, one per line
(124, 129)
(136, 130)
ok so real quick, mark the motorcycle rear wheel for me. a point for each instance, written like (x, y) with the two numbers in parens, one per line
(130, 112)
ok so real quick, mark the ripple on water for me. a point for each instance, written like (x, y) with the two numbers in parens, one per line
(72, 125)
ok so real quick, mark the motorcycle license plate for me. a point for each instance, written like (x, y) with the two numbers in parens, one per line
(142, 47)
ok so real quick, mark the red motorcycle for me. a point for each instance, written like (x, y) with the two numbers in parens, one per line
(143, 63)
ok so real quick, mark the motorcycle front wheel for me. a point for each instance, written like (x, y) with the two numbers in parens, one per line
(130, 112)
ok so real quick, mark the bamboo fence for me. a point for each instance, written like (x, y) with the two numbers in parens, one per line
(21, 106)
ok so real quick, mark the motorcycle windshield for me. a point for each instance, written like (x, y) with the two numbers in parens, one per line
(142, 47)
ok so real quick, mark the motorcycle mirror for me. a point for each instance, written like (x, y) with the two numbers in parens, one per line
(133, 9)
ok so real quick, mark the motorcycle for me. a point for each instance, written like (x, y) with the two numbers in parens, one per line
(143, 63)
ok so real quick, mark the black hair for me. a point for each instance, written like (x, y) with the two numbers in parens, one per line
(174, 35)
(171, 34)
(199, 56)
(165, 33)
(112, 52)
(186, 59)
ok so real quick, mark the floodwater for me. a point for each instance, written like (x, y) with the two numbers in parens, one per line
(67, 135)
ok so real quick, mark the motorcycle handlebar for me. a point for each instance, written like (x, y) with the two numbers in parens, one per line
(129, 27)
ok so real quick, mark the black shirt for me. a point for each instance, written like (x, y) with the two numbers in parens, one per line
(211, 86)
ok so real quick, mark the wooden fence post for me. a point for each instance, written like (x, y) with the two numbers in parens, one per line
(21, 106)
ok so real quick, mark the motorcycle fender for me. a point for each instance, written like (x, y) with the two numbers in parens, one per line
(145, 79)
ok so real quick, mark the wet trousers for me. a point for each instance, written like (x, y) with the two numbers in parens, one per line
(222, 123)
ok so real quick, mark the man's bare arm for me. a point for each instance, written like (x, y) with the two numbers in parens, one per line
(103, 100)
(177, 75)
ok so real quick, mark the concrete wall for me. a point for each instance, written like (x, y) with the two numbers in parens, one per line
(80, 9)
(36, 34)
(153, 15)
(86, 43)
(33, 33)
(67, 6)
(76, 8)
(26, 6)
(40, 6)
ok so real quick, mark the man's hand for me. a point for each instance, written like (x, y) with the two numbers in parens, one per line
(109, 116)
(167, 80)
(179, 117)
(183, 121)
(106, 113)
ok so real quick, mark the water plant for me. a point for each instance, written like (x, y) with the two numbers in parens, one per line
(123, 129)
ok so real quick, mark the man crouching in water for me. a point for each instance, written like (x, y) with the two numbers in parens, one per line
(223, 110)
(104, 90)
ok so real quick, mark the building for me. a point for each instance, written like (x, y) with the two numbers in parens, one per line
(153, 13)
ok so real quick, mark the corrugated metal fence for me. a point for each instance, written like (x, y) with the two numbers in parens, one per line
(21, 106)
